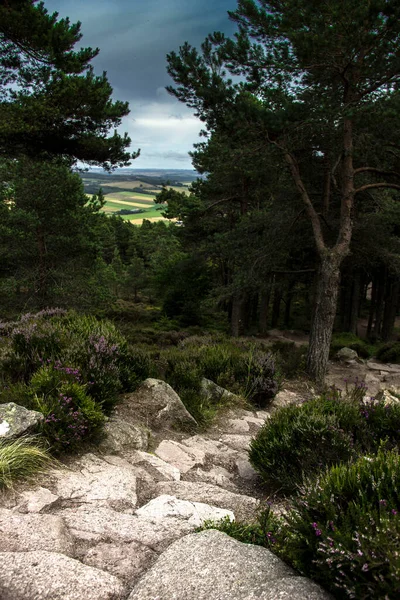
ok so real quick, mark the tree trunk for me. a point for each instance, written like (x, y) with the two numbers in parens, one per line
(288, 303)
(355, 302)
(391, 304)
(380, 300)
(372, 306)
(263, 310)
(325, 302)
(276, 305)
(236, 315)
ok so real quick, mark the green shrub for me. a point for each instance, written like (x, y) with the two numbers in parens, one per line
(350, 340)
(134, 367)
(290, 359)
(296, 442)
(71, 415)
(300, 440)
(389, 353)
(261, 382)
(345, 528)
(19, 393)
(21, 458)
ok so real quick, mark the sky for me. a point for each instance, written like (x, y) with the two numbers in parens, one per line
(134, 37)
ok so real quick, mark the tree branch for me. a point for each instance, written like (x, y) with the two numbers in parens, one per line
(374, 170)
(370, 186)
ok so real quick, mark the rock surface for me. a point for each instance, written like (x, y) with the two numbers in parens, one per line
(121, 436)
(212, 566)
(16, 420)
(51, 576)
(159, 406)
(195, 513)
(346, 354)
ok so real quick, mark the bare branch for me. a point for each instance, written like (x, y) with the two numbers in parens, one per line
(370, 186)
(374, 170)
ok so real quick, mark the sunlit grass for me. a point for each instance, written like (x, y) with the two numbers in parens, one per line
(20, 459)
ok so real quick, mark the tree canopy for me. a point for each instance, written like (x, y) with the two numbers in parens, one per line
(51, 101)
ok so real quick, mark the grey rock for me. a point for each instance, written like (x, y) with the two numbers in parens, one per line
(238, 425)
(51, 576)
(236, 441)
(89, 524)
(282, 399)
(125, 561)
(215, 393)
(157, 468)
(215, 475)
(216, 452)
(212, 566)
(121, 436)
(244, 507)
(36, 501)
(383, 367)
(264, 415)
(159, 406)
(97, 481)
(195, 513)
(181, 457)
(245, 469)
(387, 398)
(31, 532)
(17, 420)
(346, 354)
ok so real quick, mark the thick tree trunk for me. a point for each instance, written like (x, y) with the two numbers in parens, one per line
(391, 304)
(325, 302)
(380, 300)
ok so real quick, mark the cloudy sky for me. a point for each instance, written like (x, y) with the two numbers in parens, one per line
(134, 37)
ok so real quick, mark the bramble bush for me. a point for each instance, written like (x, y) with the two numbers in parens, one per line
(299, 440)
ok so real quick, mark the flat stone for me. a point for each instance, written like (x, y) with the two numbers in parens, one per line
(17, 420)
(159, 406)
(101, 524)
(237, 442)
(50, 576)
(161, 470)
(36, 501)
(97, 481)
(238, 425)
(284, 398)
(31, 532)
(244, 507)
(125, 561)
(212, 566)
(216, 476)
(383, 368)
(259, 422)
(218, 453)
(181, 457)
(263, 415)
(195, 513)
(121, 436)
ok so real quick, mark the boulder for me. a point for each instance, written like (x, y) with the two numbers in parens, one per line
(244, 507)
(282, 399)
(215, 451)
(121, 436)
(238, 425)
(31, 532)
(16, 420)
(159, 406)
(158, 469)
(50, 576)
(195, 513)
(212, 566)
(215, 475)
(96, 481)
(346, 354)
(387, 398)
(125, 561)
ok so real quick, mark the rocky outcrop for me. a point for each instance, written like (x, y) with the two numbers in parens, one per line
(122, 437)
(212, 566)
(51, 576)
(346, 354)
(159, 406)
(16, 420)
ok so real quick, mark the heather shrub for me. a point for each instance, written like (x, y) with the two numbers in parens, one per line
(344, 531)
(389, 353)
(296, 442)
(261, 383)
(300, 440)
(290, 359)
(71, 415)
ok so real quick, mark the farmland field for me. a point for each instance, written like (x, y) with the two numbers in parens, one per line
(120, 191)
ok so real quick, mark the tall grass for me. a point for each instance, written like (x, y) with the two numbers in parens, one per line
(21, 458)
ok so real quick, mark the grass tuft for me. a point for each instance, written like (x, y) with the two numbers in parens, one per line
(21, 458)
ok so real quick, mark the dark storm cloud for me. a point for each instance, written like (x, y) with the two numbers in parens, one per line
(134, 37)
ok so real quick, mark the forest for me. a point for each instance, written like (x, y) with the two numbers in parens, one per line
(289, 224)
